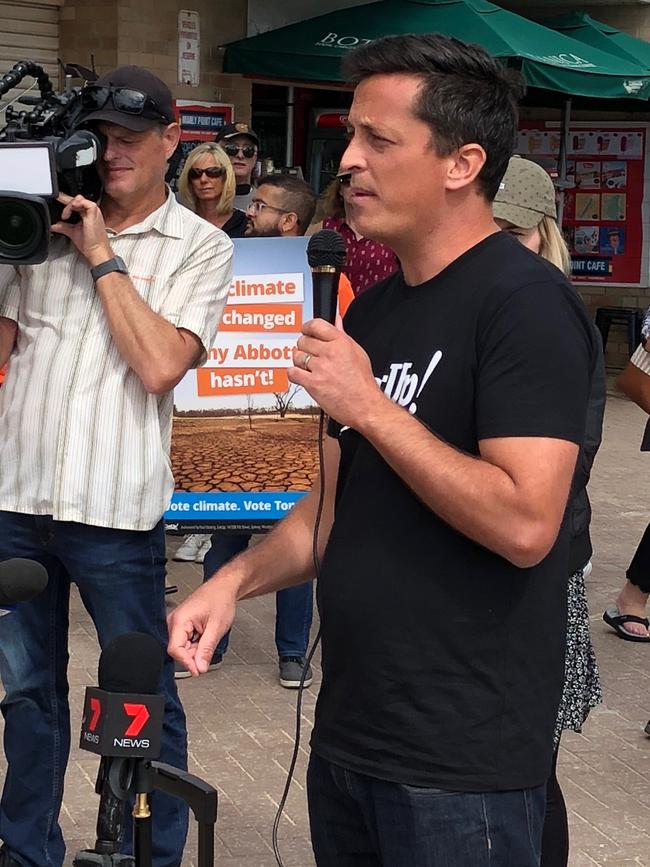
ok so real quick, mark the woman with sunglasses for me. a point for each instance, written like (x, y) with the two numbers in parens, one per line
(242, 145)
(207, 187)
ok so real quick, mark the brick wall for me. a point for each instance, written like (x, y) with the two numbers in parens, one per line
(145, 32)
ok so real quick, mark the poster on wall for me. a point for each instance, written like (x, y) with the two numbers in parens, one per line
(605, 206)
(189, 48)
(244, 442)
(199, 122)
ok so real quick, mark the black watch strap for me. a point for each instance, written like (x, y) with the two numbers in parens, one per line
(114, 264)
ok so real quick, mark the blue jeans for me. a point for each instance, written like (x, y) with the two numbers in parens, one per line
(293, 607)
(121, 579)
(359, 821)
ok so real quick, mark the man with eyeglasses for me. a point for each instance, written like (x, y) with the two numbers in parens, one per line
(242, 146)
(282, 206)
(97, 337)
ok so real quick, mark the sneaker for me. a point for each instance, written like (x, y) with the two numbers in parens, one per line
(180, 671)
(291, 668)
(190, 547)
(203, 550)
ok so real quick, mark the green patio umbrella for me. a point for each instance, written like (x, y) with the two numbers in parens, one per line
(311, 50)
(580, 26)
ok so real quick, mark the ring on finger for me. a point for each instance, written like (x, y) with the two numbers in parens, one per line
(305, 361)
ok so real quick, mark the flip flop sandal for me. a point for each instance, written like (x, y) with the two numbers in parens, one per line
(617, 622)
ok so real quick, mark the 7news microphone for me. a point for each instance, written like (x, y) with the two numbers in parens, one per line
(122, 722)
(20, 581)
(326, 252)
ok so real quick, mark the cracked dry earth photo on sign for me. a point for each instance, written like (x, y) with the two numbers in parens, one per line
(246, 451)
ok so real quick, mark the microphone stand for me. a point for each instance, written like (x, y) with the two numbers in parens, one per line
(200, 797)
(151, 776)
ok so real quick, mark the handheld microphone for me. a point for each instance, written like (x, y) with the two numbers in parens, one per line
(20, 581)
(122, 722)
(326, 254)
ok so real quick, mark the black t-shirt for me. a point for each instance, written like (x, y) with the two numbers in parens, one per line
(442, 662)
(235, 226)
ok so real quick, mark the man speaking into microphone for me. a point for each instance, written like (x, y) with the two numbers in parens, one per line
(453, 436)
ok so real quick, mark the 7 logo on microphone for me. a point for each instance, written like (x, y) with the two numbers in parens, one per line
(121, 724)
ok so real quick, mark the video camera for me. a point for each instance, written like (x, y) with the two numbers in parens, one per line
(42, 153)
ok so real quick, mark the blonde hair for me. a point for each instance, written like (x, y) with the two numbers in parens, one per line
(330, 203)
(221, 158)
(553, 247)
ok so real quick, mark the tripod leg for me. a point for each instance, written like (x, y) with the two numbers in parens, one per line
(206, 844)
(142, 835)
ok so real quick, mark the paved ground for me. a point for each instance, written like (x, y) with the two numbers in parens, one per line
(241, 721)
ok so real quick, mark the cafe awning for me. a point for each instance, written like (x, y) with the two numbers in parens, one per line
(584, 28)
(311, 51)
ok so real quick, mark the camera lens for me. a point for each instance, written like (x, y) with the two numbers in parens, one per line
(21, 229)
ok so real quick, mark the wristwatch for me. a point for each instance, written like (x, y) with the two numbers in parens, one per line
(114, 264)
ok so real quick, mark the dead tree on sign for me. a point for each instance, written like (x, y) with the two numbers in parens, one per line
(250, 403)
(283, 400)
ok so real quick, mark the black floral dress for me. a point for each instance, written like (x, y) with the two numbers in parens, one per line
(582, 689)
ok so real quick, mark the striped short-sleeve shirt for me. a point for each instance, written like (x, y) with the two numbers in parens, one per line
(641, 359)
(82, 440)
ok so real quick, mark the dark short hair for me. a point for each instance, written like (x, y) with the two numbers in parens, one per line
(466, 97)
(298, 196)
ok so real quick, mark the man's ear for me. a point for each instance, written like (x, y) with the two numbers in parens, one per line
(289, 223)
(464, 166)
(171, 136)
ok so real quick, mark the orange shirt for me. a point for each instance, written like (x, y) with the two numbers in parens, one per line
(346, 297)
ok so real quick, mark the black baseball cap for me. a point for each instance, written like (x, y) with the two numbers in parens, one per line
(158, 109)
(231, 130)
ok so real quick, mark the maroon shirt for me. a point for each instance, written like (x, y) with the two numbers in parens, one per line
(367, 262)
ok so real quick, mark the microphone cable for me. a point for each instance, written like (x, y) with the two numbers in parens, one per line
(312, 650)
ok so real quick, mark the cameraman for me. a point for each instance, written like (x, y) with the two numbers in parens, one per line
(97, 338)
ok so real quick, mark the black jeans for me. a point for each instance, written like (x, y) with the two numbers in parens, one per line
(555, 839)
(359, 821)
(638, 572)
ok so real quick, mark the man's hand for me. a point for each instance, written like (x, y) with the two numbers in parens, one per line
(89, 234)
(196, 626)
(337, 374)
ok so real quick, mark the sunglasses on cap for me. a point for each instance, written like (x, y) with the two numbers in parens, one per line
(94, 97)
(247, 151)
(211, 172)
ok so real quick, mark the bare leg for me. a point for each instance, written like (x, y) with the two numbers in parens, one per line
(632, 600)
